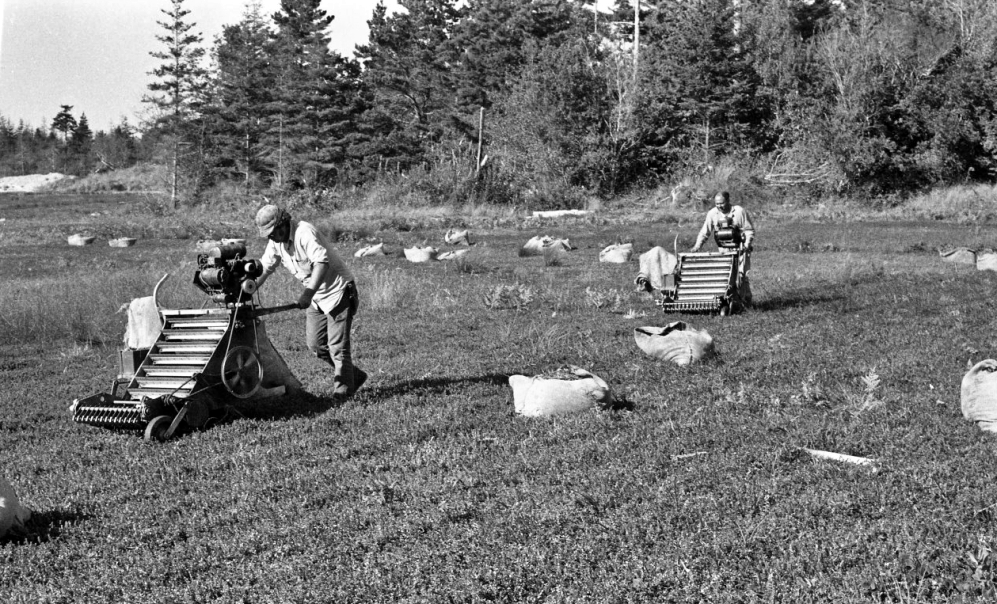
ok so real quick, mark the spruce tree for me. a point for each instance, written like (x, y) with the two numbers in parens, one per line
(408, 73)
(178, 96)
(312, 119)
(241, 93)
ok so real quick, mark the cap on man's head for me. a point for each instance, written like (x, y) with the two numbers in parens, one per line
(268, 218)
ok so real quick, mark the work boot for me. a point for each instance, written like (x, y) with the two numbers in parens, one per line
(359, 377)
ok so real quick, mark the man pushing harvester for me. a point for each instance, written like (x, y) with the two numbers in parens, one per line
(330, 294)
(727, 216)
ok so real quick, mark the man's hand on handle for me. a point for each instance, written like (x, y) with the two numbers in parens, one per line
(305, 299)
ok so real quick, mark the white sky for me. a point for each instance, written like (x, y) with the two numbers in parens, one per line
(94, 54)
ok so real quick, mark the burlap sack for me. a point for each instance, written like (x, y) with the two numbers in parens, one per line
(80, 240)
(277, 377)
(13, 515)
(420, 254)
(536, 246)
(655, 263)
(452, 254)
(960, 255)
(455, 237)
(144, 323)
(539, 396)
(979, 395)
(618, 253)
(370, 250)
(676, 342)
(986, 260)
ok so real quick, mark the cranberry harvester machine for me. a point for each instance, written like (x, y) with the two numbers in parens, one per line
(203, 360)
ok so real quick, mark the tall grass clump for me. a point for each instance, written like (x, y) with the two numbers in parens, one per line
(970, 203)
(84, 309)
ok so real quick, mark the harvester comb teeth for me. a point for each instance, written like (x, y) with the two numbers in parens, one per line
(119, 416)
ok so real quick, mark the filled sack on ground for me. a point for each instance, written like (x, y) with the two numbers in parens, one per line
(618, 253)
(959, 255)
(420, 254)
(455, 237)
(80, 240)
(452, 254)
(979, 395)
(370, 250)
(675, 342)
(655, 263)
(566, 391)
(536, 246)
(986, 260)
(13, 515)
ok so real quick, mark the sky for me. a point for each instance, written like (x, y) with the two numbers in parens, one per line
(94, 54)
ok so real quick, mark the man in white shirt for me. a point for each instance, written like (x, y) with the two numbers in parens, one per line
(330, 295)
(727, 215)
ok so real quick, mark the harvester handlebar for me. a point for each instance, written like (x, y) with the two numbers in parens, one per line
(260, 312)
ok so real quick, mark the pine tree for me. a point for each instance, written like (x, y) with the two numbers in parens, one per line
(312, 126)
(64, 122)
(696, 67)
(80, 146)
(181, 84)
(496, 37)
(241, 93)
(407, 71)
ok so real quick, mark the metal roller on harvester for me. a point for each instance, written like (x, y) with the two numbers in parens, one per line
(707, 281)
(202, 361)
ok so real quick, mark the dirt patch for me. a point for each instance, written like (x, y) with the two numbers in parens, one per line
(30, 183)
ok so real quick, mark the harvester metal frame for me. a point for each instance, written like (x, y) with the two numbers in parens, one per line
(703, 282)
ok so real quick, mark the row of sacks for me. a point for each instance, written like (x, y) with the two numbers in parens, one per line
(413, 254)
(984, 260)
(574, 389)
(424, 253)
(79, 240)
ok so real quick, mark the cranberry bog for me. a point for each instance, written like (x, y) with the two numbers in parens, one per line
(699, 485)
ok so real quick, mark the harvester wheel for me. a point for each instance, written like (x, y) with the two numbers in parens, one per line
(156, 428)
(242, 372)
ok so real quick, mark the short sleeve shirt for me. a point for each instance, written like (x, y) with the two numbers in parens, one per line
(306, 247)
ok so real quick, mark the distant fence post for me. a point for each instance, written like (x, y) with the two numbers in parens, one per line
(481, 127)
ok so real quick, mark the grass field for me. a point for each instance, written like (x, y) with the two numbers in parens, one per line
(426, 487)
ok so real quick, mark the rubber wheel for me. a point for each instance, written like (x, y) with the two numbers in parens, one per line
(242, 373)
(155, 430)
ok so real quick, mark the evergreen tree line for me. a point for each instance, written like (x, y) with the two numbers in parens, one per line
(68, 146)
(512, 100)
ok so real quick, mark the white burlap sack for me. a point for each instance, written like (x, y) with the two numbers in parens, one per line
(144, 323)
(420, 254)
(80, 240)
(370, 250)
(13, 515)
(676, 342)
(986, 260)
(452, 255)
(455, 237)
(960, 255)
(979, 395)
(655, 263)
(618, 253)
(122, 242)
(536, 246)
(539, 396)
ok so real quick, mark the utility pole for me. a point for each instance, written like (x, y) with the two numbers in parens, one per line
(636, 36)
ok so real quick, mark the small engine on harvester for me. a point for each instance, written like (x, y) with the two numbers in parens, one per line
(201, 361)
